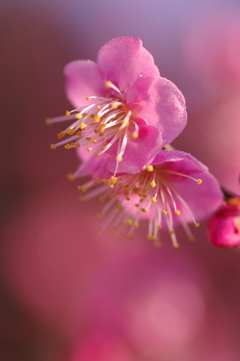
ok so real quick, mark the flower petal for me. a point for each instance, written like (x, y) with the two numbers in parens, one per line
(139, 152)
(84, 78)
(202, 199)
(160, 103)
(124, 60)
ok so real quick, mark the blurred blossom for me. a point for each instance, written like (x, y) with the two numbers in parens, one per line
(224, 226)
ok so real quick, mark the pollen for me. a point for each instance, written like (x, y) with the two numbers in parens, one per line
(153, 184)
(164, 212)
(53, 146)
(119, 158)
(114, 105)
(67, 113)
(149, 168)
(89, 149)
(135, 135)
(196, 225)
(199, 181)
(70, 131)
(108, 84)
(78, 116)
(177, 212)
(82, 126)
(48, 121)
(97, 119)
(61, 135)
(71, 176)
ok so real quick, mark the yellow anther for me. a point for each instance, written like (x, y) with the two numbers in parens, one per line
(129, 221)
(53, 146)
(125, 122)
(94, 140)
(196, 225)
(48, 121)
(113, 179)
(118, 158)
(199, 181)
(101, 199)
(82, 198)
(71, 177)
(89, 149)
(79, 133)
(108, 84)
(98, 179)
(67, 146)
(136, 224)
(97, 119)
(149, 236)
(164, 212)
(70, 131)
(100, 214)
(96, 154)
(144, 210)
(154, 200)
(135, 135)
(149, 168)
(177, 212)
(98, 107)
(175, 245)
(78, 116)
(82, 126)
(67, 113)
(192, 238)
(118, 207)
(88, 98)
(105, 181)
(114, 105)
(102, 127)
(159, 226)
(112, 195)
(171, 231)
(85, 114)
(127, 198)
(61, 135)
(153, 184)
(136, 205)
(78, 144)
(96, 131)
(88, 139)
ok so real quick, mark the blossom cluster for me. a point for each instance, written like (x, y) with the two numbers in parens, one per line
(125, 116)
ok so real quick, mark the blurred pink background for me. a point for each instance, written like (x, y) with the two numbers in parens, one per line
(67, 293)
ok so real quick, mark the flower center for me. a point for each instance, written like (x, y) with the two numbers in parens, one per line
(148, 194)
(100, 125)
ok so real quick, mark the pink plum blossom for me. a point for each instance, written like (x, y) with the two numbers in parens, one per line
(224, 226)
(175, 188)
(123, 107)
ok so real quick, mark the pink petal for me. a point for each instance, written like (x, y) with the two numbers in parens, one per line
(139, 152)
(161, 105)
(203, 199)
(124, 60)
(84, 78)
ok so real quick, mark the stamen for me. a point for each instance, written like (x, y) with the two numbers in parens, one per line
(198, 181)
